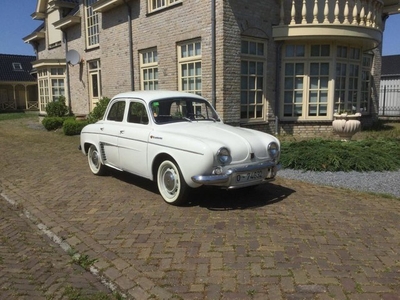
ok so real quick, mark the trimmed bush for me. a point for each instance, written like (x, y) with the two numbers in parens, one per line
(57, 108)
(52, 123)
(326, 155)
(99, 110)
(73, 127)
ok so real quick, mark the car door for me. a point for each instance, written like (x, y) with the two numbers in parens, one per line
(133, 141)
(110, 131)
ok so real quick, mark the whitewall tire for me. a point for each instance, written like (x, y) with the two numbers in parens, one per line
(94, 161)
(171, 184)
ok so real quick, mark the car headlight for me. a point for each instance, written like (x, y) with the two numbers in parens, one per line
(224, 156)
(273, 150)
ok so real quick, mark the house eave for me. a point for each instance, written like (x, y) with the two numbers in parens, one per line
(62, 4)
(106, 5)
(389, 75)
(24, 82)
(369, 37)
(40, 63)
(34, 37)
(67, 22)
(38, 16)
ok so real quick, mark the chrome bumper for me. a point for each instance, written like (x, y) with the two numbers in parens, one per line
(225, 180)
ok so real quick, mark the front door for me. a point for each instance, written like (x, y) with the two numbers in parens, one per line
(94, 82)
(133, 141)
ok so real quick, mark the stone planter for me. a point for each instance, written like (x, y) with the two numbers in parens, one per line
(346, 125)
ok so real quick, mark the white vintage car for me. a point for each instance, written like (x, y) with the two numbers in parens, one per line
(177, 140)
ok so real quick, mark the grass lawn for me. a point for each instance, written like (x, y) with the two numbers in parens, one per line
(17, 115)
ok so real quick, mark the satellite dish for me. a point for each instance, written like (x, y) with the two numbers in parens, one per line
(73, 57)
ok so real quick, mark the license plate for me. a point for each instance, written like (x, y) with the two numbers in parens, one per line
(250, 176)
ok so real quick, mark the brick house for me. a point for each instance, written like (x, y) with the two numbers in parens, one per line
(18, 86)
(277, 66)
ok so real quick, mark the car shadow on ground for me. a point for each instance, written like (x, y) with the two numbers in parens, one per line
(138, 181)
(214, 198)
(219, 199)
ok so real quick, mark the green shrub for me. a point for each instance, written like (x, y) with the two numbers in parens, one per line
(57, 108)
(99, 110)
(327, 155)
(52, 123)
(73, 127)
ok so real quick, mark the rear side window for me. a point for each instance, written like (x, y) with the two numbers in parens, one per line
(137, 113)
(116, 112)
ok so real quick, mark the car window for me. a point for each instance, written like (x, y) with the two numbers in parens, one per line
(116, 112)
(137, 113)
(182, 109)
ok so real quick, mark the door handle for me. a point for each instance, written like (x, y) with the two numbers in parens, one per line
(121, 131)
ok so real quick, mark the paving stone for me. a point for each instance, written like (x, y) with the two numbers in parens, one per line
(277, 237)
(30, 268)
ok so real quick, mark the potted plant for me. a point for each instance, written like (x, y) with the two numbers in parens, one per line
(346, 124)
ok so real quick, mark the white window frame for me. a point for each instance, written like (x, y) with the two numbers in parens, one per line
(349, 83)
(17, 66)
(149, 69)
(92, 27)
(306, 57)
(190, 67)
(154, 5)
(253, 80)
(366, 83)
(54, 35)
(356, 83)
(51, 85)
(94, 71)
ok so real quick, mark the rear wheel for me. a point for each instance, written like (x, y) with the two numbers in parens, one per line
(171, 184)
(94, 161)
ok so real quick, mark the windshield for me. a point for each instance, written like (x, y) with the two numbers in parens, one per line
(182, 110)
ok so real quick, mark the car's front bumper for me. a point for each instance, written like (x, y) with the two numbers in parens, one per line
(241, 176)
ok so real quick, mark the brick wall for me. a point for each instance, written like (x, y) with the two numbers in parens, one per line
(253, 19)
(163, 30)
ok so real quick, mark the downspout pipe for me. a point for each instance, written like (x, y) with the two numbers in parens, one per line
(213, 55)
(277, 85)
(130, 40)
(67, 72)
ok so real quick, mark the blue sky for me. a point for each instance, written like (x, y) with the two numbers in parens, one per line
(16, 22)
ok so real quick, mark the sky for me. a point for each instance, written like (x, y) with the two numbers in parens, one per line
(16, 23)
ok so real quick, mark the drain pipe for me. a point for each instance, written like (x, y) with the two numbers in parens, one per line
(67, 72)
(130, 39)
(277, 86)
(213, 56)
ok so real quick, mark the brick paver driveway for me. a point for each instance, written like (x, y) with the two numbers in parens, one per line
(286, 240)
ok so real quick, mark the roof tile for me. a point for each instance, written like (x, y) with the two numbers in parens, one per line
(8, 73)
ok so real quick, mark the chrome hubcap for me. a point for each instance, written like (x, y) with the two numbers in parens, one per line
(95, 159)
(169, 180)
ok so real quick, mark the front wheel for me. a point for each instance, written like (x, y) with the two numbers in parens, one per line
(171, 184)
(94, 161)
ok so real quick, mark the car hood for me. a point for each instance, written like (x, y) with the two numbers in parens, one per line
(243, 143)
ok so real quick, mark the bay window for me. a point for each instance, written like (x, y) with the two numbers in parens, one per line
(321, 79)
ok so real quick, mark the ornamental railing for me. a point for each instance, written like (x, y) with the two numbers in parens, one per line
(365, 13)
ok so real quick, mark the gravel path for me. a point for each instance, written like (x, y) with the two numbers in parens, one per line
(377, 182)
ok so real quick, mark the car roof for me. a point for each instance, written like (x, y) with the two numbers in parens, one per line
(155, 95)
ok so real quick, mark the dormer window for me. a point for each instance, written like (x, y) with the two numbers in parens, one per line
(17, 66)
